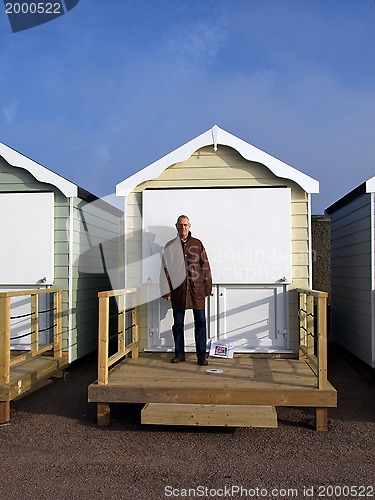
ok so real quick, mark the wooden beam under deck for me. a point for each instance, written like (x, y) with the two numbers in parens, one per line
(24, 376)
(244, 381)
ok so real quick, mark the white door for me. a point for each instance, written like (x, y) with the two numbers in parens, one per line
(27, 259)
(250, 259)
(27, 237)
(252, 318)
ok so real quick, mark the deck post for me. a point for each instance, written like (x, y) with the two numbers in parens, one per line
(103, 409)
(4, 412)
(4, 354)
(321, 414)
(322, 342)
(104, 414)
(321, 419)
(103, 339)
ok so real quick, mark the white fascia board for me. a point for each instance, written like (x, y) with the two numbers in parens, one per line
(370, 185)
(277, 167)
(41, 173)
(215, 137)
(155, 169)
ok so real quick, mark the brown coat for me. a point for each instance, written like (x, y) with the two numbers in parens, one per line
(186, 273)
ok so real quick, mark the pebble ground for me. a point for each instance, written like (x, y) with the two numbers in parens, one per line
(53, 449)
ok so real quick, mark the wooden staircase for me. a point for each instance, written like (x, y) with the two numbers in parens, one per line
(209, 415)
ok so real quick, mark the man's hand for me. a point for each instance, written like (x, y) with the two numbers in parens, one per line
(167, 297)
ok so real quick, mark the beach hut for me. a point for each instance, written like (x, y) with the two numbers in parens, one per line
(55, 237)
(353, 271)
(266, 326)
(253, 214)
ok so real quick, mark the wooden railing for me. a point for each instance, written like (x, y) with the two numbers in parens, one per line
(6, 360)
(312, 314)
(127, 321)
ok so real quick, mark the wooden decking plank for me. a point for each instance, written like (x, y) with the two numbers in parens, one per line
(185, 374)
(209, 415)
(144, 394)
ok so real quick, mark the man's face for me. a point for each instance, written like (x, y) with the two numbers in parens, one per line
(183, 227)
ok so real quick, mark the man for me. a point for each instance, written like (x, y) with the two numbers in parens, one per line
(186, 281)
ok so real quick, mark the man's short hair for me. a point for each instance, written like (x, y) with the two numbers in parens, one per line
(183, 217)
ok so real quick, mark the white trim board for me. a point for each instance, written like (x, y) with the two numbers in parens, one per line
(215, 137)
(43, 174)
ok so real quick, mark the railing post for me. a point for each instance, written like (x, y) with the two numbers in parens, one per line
(322, 342)
(4, 339)
(57, 305)
(4, 354)
(34, 340)
(104, 360)
(103, 339)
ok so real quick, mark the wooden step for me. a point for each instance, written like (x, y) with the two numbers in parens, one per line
(209, 415)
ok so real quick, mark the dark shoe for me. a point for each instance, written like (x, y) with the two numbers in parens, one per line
(178, 359)
(202, 361)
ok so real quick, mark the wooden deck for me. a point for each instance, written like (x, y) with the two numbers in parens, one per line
(26, 376)
(152, 378)
(22, 371)
(245, 381)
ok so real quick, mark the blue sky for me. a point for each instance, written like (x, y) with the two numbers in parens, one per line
(113, 85)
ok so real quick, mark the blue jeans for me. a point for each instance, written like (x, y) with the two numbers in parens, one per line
(199, 332)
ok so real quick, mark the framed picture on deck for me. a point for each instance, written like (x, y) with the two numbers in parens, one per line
(221, 349)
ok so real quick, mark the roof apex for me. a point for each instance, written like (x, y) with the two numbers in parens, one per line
(41, 173)
(215, 137)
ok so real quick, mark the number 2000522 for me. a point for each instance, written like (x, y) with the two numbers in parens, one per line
(331, 491)
(33, 8)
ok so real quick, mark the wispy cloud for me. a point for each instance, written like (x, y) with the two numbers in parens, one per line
(9, 112)
(194, 44)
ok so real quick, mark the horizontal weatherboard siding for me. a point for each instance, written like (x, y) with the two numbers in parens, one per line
(351, 275)
(95, 267)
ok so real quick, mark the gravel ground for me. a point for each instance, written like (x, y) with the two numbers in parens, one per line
(53, 448)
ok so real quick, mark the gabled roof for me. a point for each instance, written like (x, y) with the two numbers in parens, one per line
(215, 137)
(366, 187)
(41, 173)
